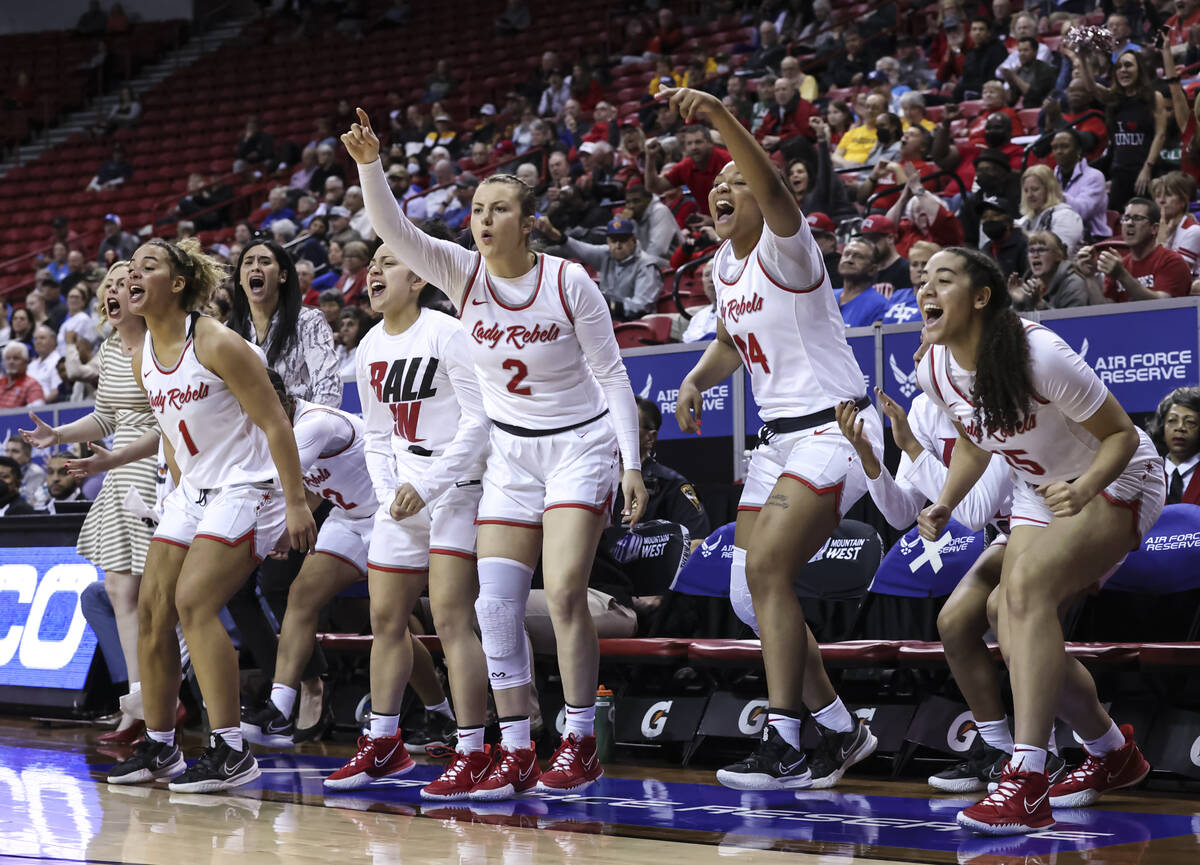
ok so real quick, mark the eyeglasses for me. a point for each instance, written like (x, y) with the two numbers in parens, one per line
(1038, 250)
(1134, 217)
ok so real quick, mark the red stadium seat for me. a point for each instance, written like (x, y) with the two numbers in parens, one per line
(1169, 655)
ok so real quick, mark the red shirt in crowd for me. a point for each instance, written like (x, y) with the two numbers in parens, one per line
(699, 180)
(975, 127)
(1162, 270)
(352, 287)
(20, 391)
(945, 230)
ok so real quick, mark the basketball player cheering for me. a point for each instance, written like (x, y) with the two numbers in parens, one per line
(926, 437)
(1088, 484)
(561, 408)
(426, 439)
(778, 316)
(226, 432)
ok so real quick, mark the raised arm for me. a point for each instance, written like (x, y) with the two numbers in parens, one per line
(441, 262)
(775, 200)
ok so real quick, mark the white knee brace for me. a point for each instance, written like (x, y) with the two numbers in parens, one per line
(739, 590)
(500, 608)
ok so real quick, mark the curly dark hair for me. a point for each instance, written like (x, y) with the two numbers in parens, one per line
(1003, 393)
(1188, 397)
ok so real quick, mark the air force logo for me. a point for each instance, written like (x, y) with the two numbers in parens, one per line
(906, 380)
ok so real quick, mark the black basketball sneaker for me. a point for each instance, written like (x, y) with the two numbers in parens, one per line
(774, 765)
(219, 768)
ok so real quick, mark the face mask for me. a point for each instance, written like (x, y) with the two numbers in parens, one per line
(995, 138)
(884, 136)
(994, 230)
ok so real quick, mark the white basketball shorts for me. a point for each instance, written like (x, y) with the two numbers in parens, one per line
(231, 515)
(447, 528)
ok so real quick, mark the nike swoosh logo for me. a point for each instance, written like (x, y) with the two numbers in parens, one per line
(475, 779)
(383, 762)
(231, 768)
(521, 776)
(478, 302)
(1029, 809)
(787, 769)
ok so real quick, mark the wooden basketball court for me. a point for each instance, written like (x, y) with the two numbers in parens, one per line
(55, 807)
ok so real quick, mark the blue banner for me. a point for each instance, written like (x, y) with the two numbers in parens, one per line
(899, 371)
(657, 377)
(44, 640)
(1141, 356)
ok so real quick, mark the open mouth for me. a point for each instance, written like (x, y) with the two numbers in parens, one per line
(485, 237)
(932, 312)
(723, 211)
(113, 307)
(257, 282)
(377, 287)
(136, 293)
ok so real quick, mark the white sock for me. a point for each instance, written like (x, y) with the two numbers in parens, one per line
(581, 720)
(232, 736)
(1106, 744)
(384, 726)
(786, 725)
(514, 733)
(996, 734)
(167, 737)
(442, 708)
(470, 740)
(835, 717)
(284, 699)
(1028, 758)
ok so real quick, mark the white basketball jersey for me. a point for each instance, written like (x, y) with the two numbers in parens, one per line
(1051, 444)
(932, 428)
(532, 369)
(332, 457)
(778, 306)
(410, 403)
(215, 442)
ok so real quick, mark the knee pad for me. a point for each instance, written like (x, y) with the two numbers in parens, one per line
(500, 609)
(739, 590)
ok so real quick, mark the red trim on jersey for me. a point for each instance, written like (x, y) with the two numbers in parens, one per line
(470, 283)
(1030, 325)
(374, 567)
(1019, 519)
(778, 284)
(562, 295)
(517, 523)
(439, 551)
(537, 288)
(934, 378)
(1134, 509)
(950, 379)
(836, 489)
(173, 543)
(182, 355)
(340, 558)
(226, 541)
(752, 508)
(717, 270)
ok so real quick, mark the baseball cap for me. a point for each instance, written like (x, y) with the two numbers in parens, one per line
(877, 224)
(630, 120)
(113, 218)
(505, 145)
(587, 147)
(875, 76)
(339, 211)
(821, 222)
(951, 21)
(619, 228)
(487, 109)
(442, 118)
(993, 202)
(398, 171)
(466, 180)
(991, 154)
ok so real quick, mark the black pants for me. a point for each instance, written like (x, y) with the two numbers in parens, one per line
(259, 637)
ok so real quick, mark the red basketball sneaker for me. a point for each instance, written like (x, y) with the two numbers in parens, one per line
(1123, 767)
(460, 777)
(573, 767)
(376, 758)
(1021, 804)
(512, 773)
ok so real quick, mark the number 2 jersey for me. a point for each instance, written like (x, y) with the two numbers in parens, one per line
(332, 449)
(778, 306)
(1051, 444)
(424, 419)
(542, 343)
(216, 444)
